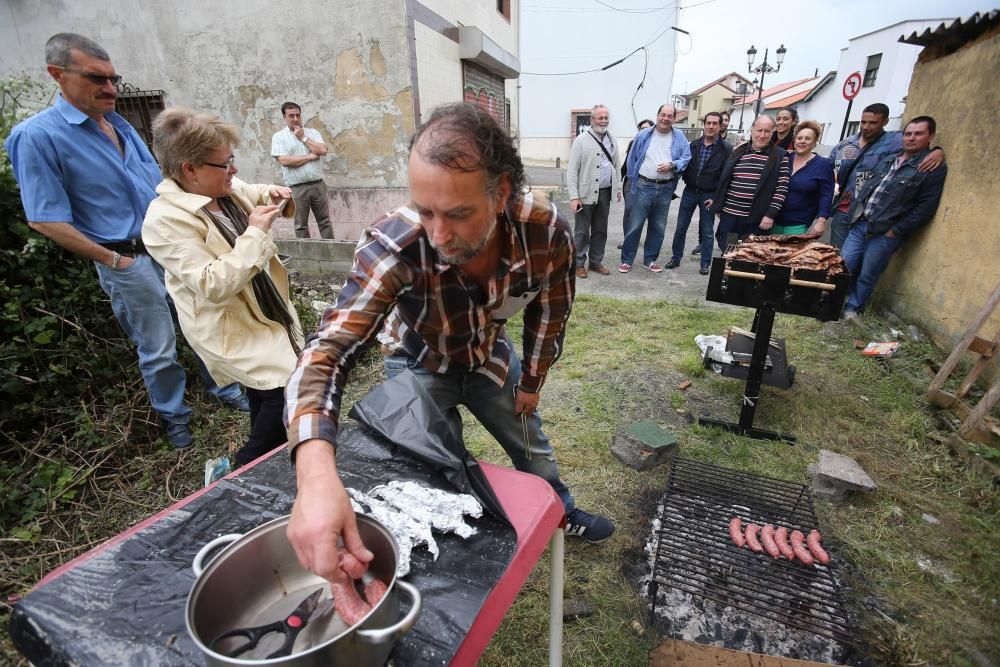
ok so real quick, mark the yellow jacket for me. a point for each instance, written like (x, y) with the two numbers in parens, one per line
(209, 282)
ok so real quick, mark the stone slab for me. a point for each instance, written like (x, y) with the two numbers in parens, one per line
(835, 476)
(644, 445)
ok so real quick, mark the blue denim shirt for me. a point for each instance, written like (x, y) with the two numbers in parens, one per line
(70, 171)
(909, 200)
(680, 155)
(845, 154)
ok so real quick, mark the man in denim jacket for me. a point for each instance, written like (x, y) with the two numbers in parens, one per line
(658, 157)
(891, 205)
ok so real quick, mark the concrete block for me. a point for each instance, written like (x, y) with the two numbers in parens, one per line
(644, 445)
(835, 476)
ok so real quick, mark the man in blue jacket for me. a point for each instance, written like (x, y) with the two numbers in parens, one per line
(891, 205)
(658, 157)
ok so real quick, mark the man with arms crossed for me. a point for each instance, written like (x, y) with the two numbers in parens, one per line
(299, 151)
(435, 282)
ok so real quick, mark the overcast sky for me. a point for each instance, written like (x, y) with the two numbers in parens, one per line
(721, 31)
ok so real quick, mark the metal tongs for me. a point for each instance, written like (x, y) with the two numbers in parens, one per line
(290, 627)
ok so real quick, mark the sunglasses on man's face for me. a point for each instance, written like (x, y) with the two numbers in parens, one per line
(99, 79)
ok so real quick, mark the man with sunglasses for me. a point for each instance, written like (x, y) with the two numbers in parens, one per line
(86, 180)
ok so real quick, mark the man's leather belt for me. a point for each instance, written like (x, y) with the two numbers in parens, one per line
(130, 248)
(318, 180)
(653, 180)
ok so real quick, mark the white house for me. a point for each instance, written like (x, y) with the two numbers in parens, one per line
(885, 66)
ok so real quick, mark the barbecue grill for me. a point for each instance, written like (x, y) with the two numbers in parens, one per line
(695, 554)
(770, 289)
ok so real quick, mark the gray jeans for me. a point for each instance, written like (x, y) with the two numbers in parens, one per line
(312, 196)
(591, 230)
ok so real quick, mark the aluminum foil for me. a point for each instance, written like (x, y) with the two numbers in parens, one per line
(410, 511)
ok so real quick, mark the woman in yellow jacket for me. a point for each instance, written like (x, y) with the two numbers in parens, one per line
(209, 231)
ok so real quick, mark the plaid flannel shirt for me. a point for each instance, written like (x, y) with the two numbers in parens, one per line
(399, 290)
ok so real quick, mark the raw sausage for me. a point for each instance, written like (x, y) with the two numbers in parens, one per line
(814, 547)
(352, 566)
(781, 538)
(736, 532)
(799, 547)
(374, 590)
(348, 603)
(751, 535)
(767, 538)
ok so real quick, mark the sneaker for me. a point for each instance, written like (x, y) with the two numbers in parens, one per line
(672, 264)
(849, 315)
(179, 435)
(624, 268)
(240, 403)
(591, 528)
(696, 251)
(704, 270)
(654, 267)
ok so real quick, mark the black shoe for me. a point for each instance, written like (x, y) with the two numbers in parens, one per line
(704, 270)
(672, 264)
(620, 245)
(696, 251)
(591, 528)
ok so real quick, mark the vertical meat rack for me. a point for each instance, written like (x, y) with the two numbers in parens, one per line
(770, 289)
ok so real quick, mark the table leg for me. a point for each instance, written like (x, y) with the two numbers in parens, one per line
(556, 598)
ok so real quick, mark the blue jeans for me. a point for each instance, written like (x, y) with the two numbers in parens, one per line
(651, 201)
(866, 258)
(734, 224)
(493, 406)
(840, 226)
(690, 200)
(139, 301)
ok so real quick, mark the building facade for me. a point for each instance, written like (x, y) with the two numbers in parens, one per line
(363, 71)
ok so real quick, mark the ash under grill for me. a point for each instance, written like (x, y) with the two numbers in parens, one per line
(695, 554)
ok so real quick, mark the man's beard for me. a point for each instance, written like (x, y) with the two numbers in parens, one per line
(463, 251)
(599, 130)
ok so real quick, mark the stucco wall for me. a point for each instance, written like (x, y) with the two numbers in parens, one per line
(345, 63)
(942, 276)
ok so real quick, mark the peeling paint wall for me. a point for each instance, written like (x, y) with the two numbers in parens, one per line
(346, 63)
(943, 276)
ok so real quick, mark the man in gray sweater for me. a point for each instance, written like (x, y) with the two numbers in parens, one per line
(592, 179)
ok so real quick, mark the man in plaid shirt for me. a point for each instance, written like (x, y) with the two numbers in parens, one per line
(435, 282)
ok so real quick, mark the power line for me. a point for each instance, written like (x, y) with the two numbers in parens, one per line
(636, 11)
(617, 62)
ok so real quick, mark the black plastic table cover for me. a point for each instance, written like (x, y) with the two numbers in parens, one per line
(125, 604)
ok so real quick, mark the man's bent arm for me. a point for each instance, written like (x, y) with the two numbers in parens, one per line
(316, 147)
(293, 161)
(70, 238)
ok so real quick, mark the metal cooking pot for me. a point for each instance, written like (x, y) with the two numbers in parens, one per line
(257, 579)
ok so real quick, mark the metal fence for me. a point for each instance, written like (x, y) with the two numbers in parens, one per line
(139, 108)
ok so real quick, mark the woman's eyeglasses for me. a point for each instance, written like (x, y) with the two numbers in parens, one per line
(227, 165)
(99, 79)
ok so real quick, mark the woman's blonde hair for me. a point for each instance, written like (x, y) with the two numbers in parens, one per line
(809, 125)
(183, 135)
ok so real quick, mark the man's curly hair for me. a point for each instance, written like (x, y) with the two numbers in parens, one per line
(466, 138)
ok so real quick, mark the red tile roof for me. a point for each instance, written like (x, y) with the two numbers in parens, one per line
(773, 90)
(786, 101)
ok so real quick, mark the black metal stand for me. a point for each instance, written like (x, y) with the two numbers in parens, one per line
(763, 322)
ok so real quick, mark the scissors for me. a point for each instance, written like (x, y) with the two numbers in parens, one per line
(290, 627)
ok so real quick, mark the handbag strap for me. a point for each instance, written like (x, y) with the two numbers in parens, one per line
(601, 144)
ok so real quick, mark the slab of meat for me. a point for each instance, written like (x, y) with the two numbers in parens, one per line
(781, 539)
(812, 542)
(799, 547)
(797, 251)
(374, 591)
(736, 532)
(348, 603)
(751, 535)
(767, 539)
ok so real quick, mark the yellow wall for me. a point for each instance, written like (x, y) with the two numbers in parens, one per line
(716, 98)
(941, 278)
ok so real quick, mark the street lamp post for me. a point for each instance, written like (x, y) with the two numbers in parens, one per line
(764, 68)
(742, 89)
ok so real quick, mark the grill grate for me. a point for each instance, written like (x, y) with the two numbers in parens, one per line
(695, 554)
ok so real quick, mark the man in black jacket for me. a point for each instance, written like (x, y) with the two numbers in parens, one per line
(752, 187)
(708, 155)
(897, 200)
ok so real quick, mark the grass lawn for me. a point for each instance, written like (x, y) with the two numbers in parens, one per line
(927, 593)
